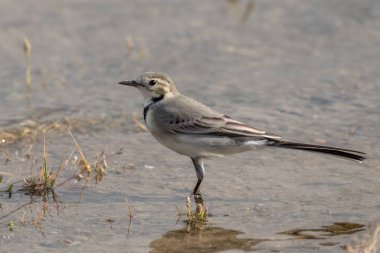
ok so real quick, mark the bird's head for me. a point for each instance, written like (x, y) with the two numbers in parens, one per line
(153, 85)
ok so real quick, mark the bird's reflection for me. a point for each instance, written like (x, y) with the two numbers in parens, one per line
(207, 239)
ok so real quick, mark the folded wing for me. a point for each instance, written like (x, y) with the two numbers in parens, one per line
(187, 116)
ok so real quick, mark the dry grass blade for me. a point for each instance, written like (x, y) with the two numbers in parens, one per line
(27, 53)
(138, 123)
(14, 210)
(129, 213)
(179, 214)
(110, 221)
(100, 166)
(129, 44)
(44, 184)
(39, 186)
(197, 218)
(83, 163)
(248, 10)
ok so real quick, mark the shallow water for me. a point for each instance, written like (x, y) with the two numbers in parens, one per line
(305, 70)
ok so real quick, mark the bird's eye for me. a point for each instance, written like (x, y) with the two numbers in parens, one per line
(152, 82)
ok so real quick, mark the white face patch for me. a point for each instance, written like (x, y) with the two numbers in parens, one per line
(145, 93)
(155, 95)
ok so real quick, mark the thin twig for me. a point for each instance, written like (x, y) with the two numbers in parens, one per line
(15, 210)
(129, 214)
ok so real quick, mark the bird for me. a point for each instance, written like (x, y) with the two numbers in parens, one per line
(193, 129)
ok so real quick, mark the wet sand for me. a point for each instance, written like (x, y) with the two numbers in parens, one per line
(308, 71)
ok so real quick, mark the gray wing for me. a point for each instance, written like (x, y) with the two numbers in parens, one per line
(187, 116)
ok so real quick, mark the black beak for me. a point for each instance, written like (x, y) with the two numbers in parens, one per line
(129, 83)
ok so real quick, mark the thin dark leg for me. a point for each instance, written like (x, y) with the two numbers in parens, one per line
(195, 191)
(200, 170)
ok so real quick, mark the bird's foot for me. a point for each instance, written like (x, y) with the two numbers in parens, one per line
(198, 197)
(201, 208)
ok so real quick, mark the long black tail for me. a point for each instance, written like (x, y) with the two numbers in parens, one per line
(347, 153)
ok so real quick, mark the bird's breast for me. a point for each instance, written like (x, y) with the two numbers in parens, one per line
(153, 125)
(149, 121)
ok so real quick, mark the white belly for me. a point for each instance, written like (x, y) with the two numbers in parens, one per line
(194, 145)
(197, 145)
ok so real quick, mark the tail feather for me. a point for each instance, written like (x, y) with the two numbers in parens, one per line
(347, 153)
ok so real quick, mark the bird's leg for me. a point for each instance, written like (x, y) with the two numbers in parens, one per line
(196, 190)
(200, 170)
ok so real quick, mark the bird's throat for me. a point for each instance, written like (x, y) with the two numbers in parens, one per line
(150, 103)
(156, 99)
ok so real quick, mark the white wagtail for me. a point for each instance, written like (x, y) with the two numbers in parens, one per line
(190, 128)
